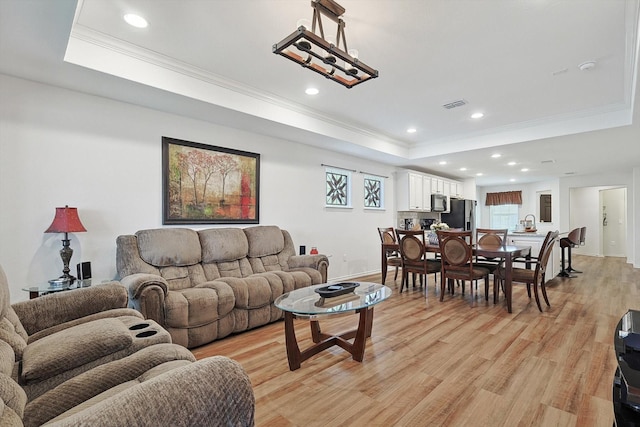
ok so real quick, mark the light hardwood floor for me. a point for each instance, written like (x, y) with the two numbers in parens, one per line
(432, 363)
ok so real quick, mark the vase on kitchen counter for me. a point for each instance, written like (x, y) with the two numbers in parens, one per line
(433, 236)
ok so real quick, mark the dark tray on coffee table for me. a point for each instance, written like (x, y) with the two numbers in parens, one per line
(337, 289)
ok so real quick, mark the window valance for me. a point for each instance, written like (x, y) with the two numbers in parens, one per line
(504, 198)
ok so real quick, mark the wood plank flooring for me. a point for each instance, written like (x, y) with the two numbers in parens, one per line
(453, 363)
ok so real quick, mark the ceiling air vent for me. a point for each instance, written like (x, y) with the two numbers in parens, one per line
(454, 104)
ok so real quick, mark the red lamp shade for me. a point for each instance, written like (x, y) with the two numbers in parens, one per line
(66, 221)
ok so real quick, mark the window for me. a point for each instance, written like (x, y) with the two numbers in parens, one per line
(504, 216)
(373, 192)
(338, 188)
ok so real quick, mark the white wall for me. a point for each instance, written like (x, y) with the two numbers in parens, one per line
(61, 147)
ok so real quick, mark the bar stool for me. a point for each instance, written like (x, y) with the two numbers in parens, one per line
(571, 241)
(583, 232)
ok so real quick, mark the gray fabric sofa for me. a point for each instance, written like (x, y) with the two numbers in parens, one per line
(204, 285)
(81, 358)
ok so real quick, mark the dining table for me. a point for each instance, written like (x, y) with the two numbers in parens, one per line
(508, 253)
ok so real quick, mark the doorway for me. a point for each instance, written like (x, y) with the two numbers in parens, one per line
(613, 220)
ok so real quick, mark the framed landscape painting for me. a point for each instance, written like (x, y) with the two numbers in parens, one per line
(204, 184)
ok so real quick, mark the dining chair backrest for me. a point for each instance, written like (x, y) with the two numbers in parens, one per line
(545, 253)
(491, 236)
(411, 244)
(387, 235)
(455, 249)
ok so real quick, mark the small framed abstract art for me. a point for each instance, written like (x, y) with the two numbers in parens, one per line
(373, 192)
(204, 184)
(338, 188)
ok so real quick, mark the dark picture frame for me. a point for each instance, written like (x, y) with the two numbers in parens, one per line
(206, 184)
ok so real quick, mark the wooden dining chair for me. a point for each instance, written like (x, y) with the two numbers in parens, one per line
(413, 253)
(535, 277)
(456, 254)
(390, 252)
(491, 237)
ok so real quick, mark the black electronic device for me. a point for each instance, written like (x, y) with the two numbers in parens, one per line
(83, 270)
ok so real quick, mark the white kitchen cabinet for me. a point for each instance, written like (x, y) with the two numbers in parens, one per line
(413, 191)
(437, 186)
(426, 193)
(456, 190)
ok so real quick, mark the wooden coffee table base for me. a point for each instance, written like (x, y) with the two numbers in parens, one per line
(323, 341)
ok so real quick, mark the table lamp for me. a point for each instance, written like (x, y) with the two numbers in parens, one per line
(66, 221)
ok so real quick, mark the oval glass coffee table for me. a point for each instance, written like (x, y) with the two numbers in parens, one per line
(307, 303)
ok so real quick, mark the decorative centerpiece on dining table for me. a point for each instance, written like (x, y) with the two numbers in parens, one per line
(432, 236)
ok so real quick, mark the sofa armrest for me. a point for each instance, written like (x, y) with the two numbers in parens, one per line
(147, 293)
(50, 310)
(319, 262)
(136, 283)
(213, 391)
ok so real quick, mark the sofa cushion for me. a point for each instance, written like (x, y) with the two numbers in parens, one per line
(164, 247)
(257, 290)
(12, 395)
(7, 358)
(264, 240)
(9, 335)
(197, 306)
(223, 244)
(73, 347)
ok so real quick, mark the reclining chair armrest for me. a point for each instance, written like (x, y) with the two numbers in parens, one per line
(317, 261)
(51, 310)
(211, 391)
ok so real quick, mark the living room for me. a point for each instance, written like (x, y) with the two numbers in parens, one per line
(62, 146)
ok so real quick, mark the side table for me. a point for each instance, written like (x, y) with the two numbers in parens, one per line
(47, 288)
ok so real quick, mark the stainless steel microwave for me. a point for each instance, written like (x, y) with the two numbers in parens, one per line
(438, 203)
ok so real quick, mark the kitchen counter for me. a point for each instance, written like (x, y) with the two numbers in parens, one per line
(527, 233)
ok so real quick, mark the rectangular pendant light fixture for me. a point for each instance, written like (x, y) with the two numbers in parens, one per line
(311, 50)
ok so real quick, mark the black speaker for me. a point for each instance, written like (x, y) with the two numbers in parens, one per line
(303, 249)
(84, 270)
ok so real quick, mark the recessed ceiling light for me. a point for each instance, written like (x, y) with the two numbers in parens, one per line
(135, 20)
(477, 115)
(512, 180)
(495, 156)
(479, 174)
(412, 130)
(442, 162)
(463, 169)
(312, 91)
(524, 170)
(511, 163)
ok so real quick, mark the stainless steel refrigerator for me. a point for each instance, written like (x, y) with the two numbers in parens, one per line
(462, 215)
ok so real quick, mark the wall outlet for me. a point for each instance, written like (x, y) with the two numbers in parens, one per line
(344, 258)
(613, 243)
